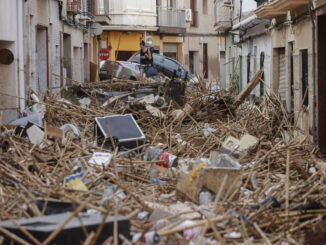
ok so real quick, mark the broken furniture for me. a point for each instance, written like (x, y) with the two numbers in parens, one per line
(211, 178)
(123, 129)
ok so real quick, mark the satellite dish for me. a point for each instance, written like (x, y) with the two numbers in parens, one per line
(96, 29)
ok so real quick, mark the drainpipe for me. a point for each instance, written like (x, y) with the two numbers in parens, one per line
(313, 71)
(20, 49)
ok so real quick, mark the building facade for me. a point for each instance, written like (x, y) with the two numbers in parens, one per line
(160, 23)
(179, 29)
(12, 56)
(52, 45)
(286, 39)
(201, 42)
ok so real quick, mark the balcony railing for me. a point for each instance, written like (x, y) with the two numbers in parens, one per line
(74, 6)
(194, 22)
(88, 10)
(171, 17)
(102, 7)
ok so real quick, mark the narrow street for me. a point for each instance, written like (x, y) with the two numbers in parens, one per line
(162, 122)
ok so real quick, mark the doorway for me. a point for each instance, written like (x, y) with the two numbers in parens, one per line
(291, 79)
(193, 22)
(205, 61)
(42, 59)
(170, 50)
(282, 74)
(67, 52)
(191, 62)
(86, 63)
(262, 64)
(321, 98)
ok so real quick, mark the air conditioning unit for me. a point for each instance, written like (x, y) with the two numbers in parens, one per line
(188, 15)
(227, 1)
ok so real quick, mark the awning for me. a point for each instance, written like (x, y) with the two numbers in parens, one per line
(279, 7)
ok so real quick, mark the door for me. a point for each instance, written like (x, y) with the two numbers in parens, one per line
(86, 63)
(291, 77)
(304, 77)
(191, 62)
(282, 74)
(205, 61)
(42, 59)
(321, 98)
(193, 10)
(248, 67)
(262, 63)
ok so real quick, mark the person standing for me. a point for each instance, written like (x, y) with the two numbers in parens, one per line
(146, 58)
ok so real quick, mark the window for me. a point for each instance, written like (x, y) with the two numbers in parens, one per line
(204, 6)
(171, 65)
(172, 4)
(304, 76)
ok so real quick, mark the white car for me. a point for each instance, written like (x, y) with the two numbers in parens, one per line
(119, 69)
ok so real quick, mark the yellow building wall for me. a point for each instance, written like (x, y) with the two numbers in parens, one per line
(129, 41)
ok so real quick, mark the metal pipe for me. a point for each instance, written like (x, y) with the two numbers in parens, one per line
(20, 44)
(313, 71)
(254, 19)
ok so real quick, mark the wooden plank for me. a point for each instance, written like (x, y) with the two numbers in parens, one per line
(246, 92)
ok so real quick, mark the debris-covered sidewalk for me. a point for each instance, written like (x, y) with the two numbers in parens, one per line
(182, 166)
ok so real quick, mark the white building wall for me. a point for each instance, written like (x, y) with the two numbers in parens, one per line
(55, 36)
(9, 73)
(259, 44)
(134, 13)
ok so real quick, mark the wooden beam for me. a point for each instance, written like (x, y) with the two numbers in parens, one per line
(250, 86)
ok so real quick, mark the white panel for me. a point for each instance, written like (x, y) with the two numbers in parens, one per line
(282, 77)
(146, 5)
(132, 4)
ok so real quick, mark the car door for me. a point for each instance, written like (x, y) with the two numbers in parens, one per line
(158, 62)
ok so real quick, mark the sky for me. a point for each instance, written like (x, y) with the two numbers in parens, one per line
(248, 5)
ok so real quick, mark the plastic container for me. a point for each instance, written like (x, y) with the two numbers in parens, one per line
(150, 237)
(205, 197)
(108, 197)
(164, 158)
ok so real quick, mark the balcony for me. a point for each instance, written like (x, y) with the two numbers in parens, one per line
(222, 17)
(171, 21)
(132, 15)
(102, 12)
(88, 11)
(74, 7)
(277, 8)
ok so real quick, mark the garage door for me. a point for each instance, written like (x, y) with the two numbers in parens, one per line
(282, 75)
(170, 50)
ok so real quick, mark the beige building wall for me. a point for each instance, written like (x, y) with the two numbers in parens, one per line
(197, 36)
(9, 106)
(281, 38)
(57, 53)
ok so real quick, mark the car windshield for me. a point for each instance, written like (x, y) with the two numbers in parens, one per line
(130, 65)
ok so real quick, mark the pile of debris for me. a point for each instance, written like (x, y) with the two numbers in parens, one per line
(160, 163)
